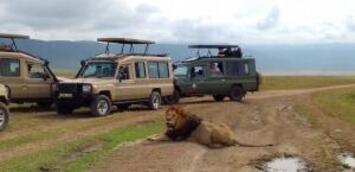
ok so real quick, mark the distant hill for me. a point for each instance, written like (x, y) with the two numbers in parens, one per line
(310, 58)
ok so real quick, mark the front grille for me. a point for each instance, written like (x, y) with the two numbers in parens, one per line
(69, 88)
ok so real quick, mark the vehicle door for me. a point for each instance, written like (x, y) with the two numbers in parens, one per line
(142, 85)
(239, 72)
(198, 84)
(11, 76)
(38, 81)
(124, 89)
(216, 78)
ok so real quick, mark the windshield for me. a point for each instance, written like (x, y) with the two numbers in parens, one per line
(99, 70)
(181, 70)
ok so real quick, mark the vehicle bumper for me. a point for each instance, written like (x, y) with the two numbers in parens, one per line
(76, 101)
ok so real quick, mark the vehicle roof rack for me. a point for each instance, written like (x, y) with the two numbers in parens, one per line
(210, 46)
(124, 41)
(12, 37)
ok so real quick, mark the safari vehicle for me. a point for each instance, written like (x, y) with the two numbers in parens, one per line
(119, 79)
(226, 74)
(4, 111)
(28, 77)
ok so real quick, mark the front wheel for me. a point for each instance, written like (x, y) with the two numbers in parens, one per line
(101, 106)
(237, 93)
(4, 116)
(154, 100)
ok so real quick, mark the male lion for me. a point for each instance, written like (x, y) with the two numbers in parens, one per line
(185, 126)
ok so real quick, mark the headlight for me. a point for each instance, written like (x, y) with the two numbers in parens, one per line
(87, 88)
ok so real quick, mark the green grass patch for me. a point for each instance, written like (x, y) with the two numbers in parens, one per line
(301, 82)
(338, 103)
(57, 158)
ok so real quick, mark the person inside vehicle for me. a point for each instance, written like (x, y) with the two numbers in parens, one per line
(215, 69)
(237, 52)
(221, 52)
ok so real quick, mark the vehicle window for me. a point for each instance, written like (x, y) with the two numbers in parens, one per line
(163, 70)
(140, 69)
(9, 67)
(197, 72)
(124, 72)
(99, 70)
(237, 68)
(181, 70)
(153, 70)
(216, 68)
(36, 72)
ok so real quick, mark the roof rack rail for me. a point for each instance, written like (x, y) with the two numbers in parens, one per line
(12, 37)
(124, 41)
(211, 46)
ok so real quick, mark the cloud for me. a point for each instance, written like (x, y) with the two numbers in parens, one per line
(174, 21)
(350, 24)
(271, 20)
(42, 15)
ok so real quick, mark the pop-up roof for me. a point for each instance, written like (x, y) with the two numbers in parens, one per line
(125, 41)
(12, 37)
(213, 46)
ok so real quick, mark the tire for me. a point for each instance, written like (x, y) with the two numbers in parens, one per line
(64, 108)
(45, 105)
(101, 106)
(173, 99)
(218, 98)
(4, 116)
(237, 93)
(154, 100)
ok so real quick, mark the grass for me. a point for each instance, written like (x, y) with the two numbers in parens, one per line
(338, 103)
(302, 82)
(58, 156)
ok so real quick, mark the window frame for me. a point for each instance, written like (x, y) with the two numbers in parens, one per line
(19, 67)
(158, 63)
(45, 72)
(240, 64)
(144, 69)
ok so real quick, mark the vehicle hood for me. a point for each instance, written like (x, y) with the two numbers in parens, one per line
(63, 79)
(93, 81)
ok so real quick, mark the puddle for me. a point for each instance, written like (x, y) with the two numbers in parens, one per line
(286, 164)
(347, 160)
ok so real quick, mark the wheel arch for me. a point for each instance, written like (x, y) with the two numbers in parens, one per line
(106, 93)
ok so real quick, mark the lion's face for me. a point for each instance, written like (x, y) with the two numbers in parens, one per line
(175, 118)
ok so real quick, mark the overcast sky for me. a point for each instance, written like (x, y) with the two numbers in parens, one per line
(184, 21)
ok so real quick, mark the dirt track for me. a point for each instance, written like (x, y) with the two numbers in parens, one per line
(266, 117)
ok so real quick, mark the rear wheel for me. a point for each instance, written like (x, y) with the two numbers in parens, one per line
(64, 108)
(154, 100)
(237, 93)
(101, 106)
(4, 116)
(218, 98)
(173, 99)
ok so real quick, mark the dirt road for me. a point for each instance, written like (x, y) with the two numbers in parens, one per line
(265, 117)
